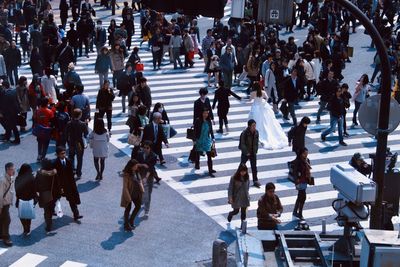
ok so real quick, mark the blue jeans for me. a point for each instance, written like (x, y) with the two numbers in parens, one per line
(322, 106)
(335, 121)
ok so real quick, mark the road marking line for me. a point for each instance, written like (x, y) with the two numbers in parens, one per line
(29, 260)
(73, 264)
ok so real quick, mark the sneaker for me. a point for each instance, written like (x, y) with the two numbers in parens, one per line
(257, 184)
(343, 143)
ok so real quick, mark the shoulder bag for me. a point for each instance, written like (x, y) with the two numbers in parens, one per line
(26, 209)
(190, 133)
(213, 151)
(134, 139)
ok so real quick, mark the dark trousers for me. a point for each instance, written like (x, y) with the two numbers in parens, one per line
(99, 164)
(236, 211)
(84, 41)
(310, 87)
(26, 224)
(72, 151)
(209, 160)
(301, 199)
(292, 112)
(344, 121)
(64, 70)
(48, 214)
(227, 76)
(108, 113)
(5, 221)
(250, 87)
(253, 163)
(158, 150)
(74, 209)
(116, 75)
(356, 108)
(43, 145)
(14, 130)
(12, 74)
(157, 57)
(129, 41)
(222, 117)
(131, 219)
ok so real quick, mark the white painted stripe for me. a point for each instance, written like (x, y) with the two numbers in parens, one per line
(73, 264)
(2, 250)
(29, 260)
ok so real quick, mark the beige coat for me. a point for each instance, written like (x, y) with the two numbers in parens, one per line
(252, 67)
(128, 189)
(5, 183)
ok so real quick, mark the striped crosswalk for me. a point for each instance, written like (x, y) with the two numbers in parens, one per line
(32, 260)
(177, 90)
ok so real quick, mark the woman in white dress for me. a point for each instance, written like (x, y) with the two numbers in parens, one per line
(271, 134)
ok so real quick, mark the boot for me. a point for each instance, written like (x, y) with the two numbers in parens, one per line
(127, 227)
(210, 168)
(296, 208)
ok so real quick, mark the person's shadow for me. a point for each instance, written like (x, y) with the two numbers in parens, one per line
(117, 237)
(87, 186)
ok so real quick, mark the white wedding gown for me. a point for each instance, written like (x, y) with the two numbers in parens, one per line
(271, 134)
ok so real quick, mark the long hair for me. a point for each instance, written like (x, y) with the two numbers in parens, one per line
(98, 126)
(25, 169)
(128, 167)
(257, 88)
(242, 167)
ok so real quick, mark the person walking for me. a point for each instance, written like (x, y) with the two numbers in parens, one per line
(270, 86)
(49, 83)
(9, 109)
(102, 65)
(204, 139)
(12, 58)
(154, 132)
(23, 100)
(75, 131)
(156, 43)
(36, 92)
(346, 96)
(61, 120)
(336, 110)
(200, 104)
(25, 190)
(144, 93)
(189, 49)
(64, 55)
(117, 62)
(227, 65)
(82, 102)
(100, 36)
(302, 178)
(248, 145)
(238, 192)
(98, 141)
(269, 209)
(104, 100)
(65, 177)
(6, 200)
(47, 185)
(125, 85)
(360, 94)
(148, 159)
(175, 44)
(297, 135)
(222, 98)
(132, 191)
(43, 117)
(326, 89)
(291, 93)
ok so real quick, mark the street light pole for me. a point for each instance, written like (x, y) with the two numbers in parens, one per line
(376, 219)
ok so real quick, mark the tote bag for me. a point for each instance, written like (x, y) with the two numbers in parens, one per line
(26, 209)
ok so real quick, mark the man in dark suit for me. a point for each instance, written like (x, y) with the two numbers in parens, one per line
(148, 159)
(291, 93)
(9, 110)
(154, 132)
(65, 173)
(200, 104)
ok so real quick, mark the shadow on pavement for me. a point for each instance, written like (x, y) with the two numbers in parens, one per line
(116, 238)
(87, 186)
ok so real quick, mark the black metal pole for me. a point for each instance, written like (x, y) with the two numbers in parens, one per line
(113, 2)
(376, 219)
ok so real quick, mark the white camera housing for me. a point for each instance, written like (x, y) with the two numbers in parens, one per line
(352, 185)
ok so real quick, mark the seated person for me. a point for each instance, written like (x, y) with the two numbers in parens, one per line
(358, 163)
(269, 209)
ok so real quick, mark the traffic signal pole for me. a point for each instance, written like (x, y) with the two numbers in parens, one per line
(376, 219)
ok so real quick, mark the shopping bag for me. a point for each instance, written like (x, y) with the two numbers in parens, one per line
(166, 130)
(139, 67)
(350, 51)
(192, 155)
(58, 209)
(191, 55)
(172, 132)
(134, 140)
(26, 209)
(242, 76)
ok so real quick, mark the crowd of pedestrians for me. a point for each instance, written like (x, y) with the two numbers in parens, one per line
(277, 70)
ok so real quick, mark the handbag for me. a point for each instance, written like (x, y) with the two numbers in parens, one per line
(134, 140)
(191, 55)
(139, 67)
(190, 133)
(58, 209)
(213, 151)
(26, 209)
(166, 129)
(172, 132)
(192, 155)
